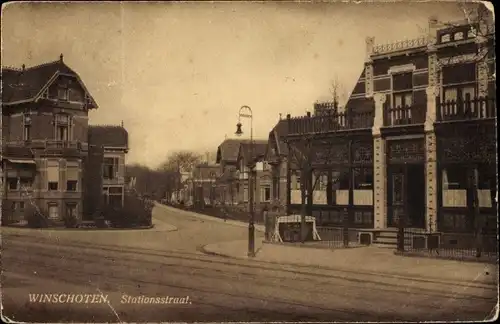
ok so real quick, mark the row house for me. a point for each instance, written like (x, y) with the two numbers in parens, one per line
(227, 180)
(232, 185)
(251, 164)
(203, 184)
(44, 140)
(114, 142)
(276, 156)
(415, 142)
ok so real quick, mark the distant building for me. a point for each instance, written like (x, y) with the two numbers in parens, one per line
(114, 141)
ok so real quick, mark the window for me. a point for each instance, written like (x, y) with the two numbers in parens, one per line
(62, 133)
(459, 73)
(71, 185)
(62, 93)
(27, 127)
(21, 206)
(458, 36)
(403, 99)
(265, 193)
(75, 95)
(113, 196)
(110, 168)
(445, 38)
(53, 175)
(363, 178)
(53, 211)
(62, 125)
(245, 194)
(27, 132)
(26, 182)
(320, 182)
(72, 171)
(71, 210)
(459, 93)
(402, 89)
(295, 180)
(487, 177)
(13, 183)
(455, 177)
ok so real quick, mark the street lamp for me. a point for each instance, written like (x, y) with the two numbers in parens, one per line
(246, 112)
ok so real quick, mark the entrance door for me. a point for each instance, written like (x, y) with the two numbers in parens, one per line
(406, 195)
(396, 183)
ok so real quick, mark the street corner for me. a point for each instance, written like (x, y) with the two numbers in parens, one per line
(231, 249)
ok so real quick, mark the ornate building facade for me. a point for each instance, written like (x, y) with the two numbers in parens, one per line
(416, 142)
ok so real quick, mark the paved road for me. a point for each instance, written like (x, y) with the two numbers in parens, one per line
(117, 264)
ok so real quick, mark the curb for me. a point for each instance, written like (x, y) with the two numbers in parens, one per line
(212, 218)
(439, 257)
(385, 274)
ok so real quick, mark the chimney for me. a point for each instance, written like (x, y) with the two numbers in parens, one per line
(61, 57)
(24, 67)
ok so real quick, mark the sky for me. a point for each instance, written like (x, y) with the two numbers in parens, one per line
(176, 74)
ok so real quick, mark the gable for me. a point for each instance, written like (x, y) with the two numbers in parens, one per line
(31, 84)
(69, 86)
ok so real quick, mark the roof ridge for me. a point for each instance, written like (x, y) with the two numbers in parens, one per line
(106, 125)
(42, 65)
(10, 67)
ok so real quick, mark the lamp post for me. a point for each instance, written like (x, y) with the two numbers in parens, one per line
(246, 112)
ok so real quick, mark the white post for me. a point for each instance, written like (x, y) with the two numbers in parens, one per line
(430, 162)
(379, 164)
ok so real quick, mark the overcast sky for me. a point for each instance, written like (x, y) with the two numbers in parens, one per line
(177, 73)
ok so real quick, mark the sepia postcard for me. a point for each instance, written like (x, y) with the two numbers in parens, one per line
(238, 161)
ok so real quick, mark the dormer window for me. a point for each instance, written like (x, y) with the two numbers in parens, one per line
(63, 93)
(445, 38)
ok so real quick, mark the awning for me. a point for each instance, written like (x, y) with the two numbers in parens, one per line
(21, 161)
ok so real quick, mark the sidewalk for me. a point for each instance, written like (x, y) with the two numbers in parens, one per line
(362, 260)
(258, 227)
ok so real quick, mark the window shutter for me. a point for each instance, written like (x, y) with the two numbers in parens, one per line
(53, 171)
(72, 173)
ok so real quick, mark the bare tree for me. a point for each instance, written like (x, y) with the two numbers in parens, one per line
(303, 156)
(178, 162)
(337, 91)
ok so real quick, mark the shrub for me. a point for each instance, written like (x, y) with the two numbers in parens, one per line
(35, 217)
(70, 221)
(135, 212)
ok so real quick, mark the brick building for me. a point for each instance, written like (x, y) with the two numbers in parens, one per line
(44, 139)
(416, 140)
(47, 162)
(114, 142)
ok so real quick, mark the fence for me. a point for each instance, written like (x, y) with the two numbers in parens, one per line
(461, 246)
(288, 230)
(468, 108)
(332, 122)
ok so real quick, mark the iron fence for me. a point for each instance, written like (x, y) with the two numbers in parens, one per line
(459, 246)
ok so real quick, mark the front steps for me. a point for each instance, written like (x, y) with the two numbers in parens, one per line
(388, 238)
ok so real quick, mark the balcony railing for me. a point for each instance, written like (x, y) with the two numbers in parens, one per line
(332, 122)
(404, 115)
(468, 109)
(47, 144)
(400, 45)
